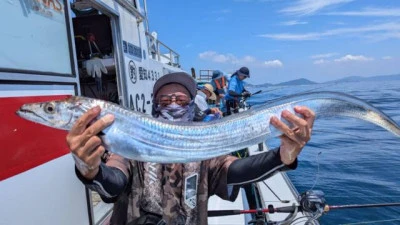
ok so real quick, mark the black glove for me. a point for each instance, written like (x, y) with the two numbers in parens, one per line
(246, 94)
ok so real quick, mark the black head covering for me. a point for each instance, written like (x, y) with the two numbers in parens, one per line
(181, 78)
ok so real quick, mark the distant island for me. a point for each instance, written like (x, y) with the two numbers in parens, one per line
(303, 81)
(360, 78)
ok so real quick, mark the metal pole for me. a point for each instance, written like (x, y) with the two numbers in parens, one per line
(145, 14)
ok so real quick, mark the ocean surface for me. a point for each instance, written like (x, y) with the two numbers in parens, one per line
(350, 160)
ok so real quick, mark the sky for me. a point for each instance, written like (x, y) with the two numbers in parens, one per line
(282, 40)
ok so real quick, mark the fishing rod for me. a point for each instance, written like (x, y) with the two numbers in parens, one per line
(257, 92)
(331, 207)
(287, 209)
(278, 88)
(311, 202)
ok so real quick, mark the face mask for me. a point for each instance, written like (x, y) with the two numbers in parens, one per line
(175, 112)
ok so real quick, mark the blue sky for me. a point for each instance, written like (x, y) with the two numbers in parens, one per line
(282, 40)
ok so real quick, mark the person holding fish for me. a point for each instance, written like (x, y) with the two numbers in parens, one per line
(176, 193)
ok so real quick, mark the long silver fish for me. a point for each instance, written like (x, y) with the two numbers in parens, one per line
(138, 136)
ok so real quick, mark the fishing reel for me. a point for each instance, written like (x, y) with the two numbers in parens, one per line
(243, 104)
(313, 202)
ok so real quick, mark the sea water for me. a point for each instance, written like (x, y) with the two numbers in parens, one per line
(350, 160)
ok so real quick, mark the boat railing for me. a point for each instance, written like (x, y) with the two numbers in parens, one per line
(161, 52)
(205, 76)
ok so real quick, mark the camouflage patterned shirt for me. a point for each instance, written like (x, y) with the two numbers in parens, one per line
(177, 192)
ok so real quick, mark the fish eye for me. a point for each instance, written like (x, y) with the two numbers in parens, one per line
(49, 108)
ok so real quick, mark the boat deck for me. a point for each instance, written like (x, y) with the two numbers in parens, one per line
(278, 191)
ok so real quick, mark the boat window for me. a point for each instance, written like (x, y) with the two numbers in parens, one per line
(34, 36)
(94, 49)
(92, 36)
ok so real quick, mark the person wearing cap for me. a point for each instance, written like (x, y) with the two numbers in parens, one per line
(219, 83)
(236, 90)
(152, 193)
(204, 94)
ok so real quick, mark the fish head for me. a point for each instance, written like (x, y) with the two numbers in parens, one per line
(60, 114)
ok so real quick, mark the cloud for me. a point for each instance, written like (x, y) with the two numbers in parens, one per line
(376, 37)
(293, 22)
(292, 37)
(380, 12)
(273, 63)
(309, 7)
(348, 58)
(391, 30)
(326, 55)
(216, 57)
(320, 61)
(387, 57)
(226, 58)
(248, 60)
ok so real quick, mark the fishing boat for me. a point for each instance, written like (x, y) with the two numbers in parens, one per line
(100, 49)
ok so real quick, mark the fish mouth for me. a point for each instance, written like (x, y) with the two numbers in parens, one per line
(29, 114)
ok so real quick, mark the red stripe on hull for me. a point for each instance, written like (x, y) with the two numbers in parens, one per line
(24, 144)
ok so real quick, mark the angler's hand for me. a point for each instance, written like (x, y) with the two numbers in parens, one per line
(246, 94)
(86, 147)
(293, 140)
(216, 110)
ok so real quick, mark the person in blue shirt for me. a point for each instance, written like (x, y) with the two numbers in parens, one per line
(236, 90)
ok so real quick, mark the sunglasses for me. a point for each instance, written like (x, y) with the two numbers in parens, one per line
(182, 100)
